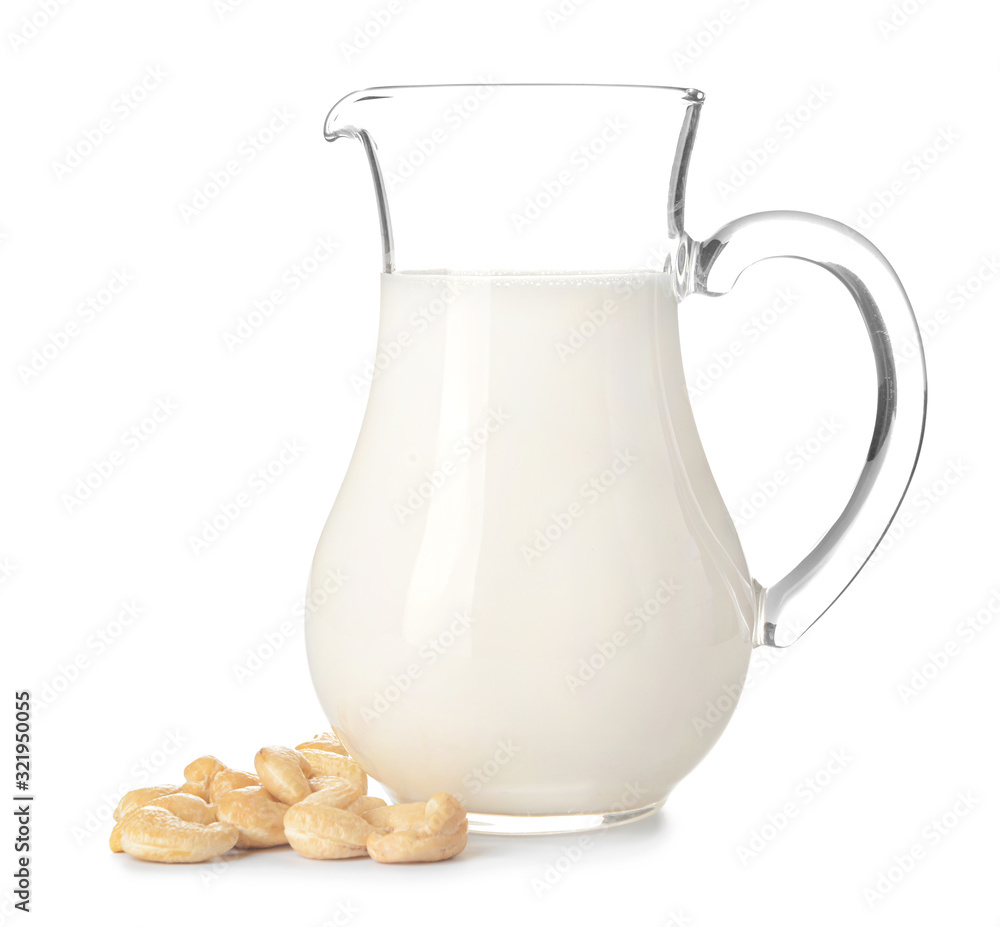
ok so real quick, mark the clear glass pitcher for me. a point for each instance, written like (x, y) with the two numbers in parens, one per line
(541, 585)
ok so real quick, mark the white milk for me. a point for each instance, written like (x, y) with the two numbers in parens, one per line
(546, 609)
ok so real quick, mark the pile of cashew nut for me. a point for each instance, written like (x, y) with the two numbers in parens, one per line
(313, 797)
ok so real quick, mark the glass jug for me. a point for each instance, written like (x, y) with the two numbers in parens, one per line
(542, 587)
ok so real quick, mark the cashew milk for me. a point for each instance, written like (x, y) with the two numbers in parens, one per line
(544, 602)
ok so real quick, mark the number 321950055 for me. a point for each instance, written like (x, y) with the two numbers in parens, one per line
(22, 737)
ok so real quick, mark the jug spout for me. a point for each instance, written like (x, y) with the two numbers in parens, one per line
(340, 121)
(339, 124)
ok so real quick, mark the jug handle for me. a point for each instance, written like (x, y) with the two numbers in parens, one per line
(711, 267)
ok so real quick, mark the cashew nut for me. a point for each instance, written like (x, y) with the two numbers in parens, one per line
(139, 797)
(347, 791)
(327, 741)
(445, 815)
(319, 828)
(313, 797)
(226, 780)
(198, 776)
(396, 817)
(440, 832)
(186, 806)
(256, 815)
(284, 773)
(364, 804)
(160, 836)
(324, 764)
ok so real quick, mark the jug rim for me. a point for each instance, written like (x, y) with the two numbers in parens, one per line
(689, 94)
(503, 83)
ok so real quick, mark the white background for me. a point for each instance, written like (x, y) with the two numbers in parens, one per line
(165, 688)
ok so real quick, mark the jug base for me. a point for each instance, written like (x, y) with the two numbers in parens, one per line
(540, 824)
